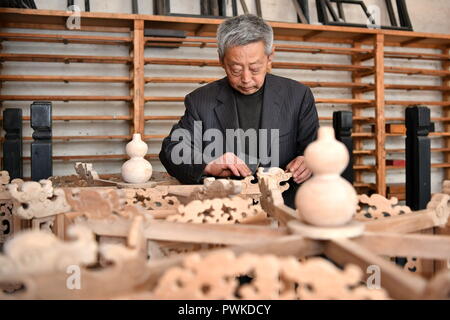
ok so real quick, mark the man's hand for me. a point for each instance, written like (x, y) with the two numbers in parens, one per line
(227, 165)
(300, 172)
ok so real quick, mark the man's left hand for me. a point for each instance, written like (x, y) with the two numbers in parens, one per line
(300, 172)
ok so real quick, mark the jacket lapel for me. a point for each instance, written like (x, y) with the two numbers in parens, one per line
(226, 108)
(271, 107)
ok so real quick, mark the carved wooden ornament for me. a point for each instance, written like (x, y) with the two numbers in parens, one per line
(36, 251)
(151, 198)
(250, 184)
(96, 203)
(225, 211)
(216, 277)
(378, 207)
(213, 188)
(37, 199)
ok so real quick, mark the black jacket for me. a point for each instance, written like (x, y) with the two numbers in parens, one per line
(287, 105)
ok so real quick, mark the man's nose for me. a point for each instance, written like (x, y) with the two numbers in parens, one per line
(246, 76)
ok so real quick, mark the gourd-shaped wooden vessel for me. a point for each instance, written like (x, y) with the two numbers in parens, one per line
(137, 169)
(326, 200)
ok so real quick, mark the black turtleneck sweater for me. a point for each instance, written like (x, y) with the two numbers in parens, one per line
(249, 109)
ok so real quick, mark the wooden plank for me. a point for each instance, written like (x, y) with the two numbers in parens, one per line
(81, 118)
(138, 78)
(406, 245)
(398, 283)
(357, 112)
(413, 103)
(64, 38)
(275, 65)
(417, 71)
(192, 233)
(63, 98)
(405, 223)
(416, 56)
(416, 87)
(46, 78)
(379, 116)
(445, 265)
(32, 57)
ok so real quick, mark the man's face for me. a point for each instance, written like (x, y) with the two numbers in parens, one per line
(247, 66)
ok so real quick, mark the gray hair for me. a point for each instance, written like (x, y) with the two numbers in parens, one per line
(243, 30)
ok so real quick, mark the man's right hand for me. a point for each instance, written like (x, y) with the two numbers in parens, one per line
(228, 165)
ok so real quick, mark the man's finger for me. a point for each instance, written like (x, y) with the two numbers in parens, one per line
(298, 162)
(243, 169)
(300, 170)
(304, 176)
(233, 169)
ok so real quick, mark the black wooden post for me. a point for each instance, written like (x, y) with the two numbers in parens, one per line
(343, 124)
(87, 6)
(70, 3)
(418, 157)
(41, 148)
(134, 7)
(12, 147)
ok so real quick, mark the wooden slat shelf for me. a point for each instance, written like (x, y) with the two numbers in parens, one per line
(433, 165)
(416, 56)
(431, 134)
(147, 118)
(413, 103)
(275, 64)
(31, 57)
(64, 98)
(416, 87)
(94, 157)
(361, 44)
(211, 43)
(408, 71)
(66, 39)
(81, 118)
(445, 150)
(312, 84)
(318, 100)
(32, 78)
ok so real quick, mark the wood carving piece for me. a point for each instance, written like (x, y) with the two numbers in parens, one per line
(213, 188)
(86, 172)
(250, 184)
(4, 180)
(215, 276)
(36, 251)
(225, 211)
(151, 198)
(446, 187)
(37, 199)
(270, 192)
(440, 204)
(279, 175)
(6, 219)
(127, 271)
(378, 207)
(101, 203)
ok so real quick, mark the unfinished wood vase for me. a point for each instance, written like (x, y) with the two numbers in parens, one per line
(137, 169)
(326, 200)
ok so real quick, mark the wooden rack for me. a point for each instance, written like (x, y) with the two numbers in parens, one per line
(362, 45)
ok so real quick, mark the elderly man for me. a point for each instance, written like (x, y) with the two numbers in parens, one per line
(281, 111)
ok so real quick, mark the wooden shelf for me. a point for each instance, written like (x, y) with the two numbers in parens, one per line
(360, 44)
(64, 98)
(30, 78)
(65, 39)
(28, 57)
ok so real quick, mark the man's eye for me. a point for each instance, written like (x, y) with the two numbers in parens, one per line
(236, 71)
(255, 70)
